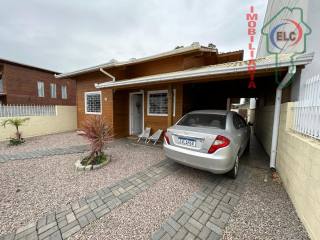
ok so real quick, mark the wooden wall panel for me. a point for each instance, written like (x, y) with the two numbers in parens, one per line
(121, 114)
(86, 84)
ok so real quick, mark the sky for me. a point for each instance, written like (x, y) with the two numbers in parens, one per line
(67, 35)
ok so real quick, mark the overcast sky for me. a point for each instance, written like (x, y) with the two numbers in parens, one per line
(66, 35)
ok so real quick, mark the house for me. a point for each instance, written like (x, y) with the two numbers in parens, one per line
(156, 91)
(298, 149)
(28, 85)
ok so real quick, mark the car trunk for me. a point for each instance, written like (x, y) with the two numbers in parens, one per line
(194, 138)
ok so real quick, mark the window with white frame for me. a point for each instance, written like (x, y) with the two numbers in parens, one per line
(40, 89)
(158, 103)
(93, 102)
(64, 94)
(53, 90)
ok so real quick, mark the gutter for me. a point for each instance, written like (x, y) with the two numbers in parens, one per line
(277, 109)
(108, 74)
(205, 71)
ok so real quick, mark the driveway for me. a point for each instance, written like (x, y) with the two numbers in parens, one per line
(142, 195)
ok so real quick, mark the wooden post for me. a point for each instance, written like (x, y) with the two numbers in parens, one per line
(170, 105)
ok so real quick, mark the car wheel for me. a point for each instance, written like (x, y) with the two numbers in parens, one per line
(234, 171)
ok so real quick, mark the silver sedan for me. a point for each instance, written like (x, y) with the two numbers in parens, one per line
(211, 140)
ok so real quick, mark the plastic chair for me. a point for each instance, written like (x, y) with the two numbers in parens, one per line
(144, 135)
(155, 137)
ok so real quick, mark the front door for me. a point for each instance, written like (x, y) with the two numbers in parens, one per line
(136, 113)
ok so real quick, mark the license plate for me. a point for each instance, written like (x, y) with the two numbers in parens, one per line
(187, 142)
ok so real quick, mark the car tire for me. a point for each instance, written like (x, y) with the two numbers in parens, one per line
(234, 171)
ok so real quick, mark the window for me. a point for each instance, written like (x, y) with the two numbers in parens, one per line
(204, 120)
(64, 94)
(93, 102)
(53, 90)
(238, 121)
(1, 85)
(40, 89)
(158, 103)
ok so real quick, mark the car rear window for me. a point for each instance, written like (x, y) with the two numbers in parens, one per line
(203, 120)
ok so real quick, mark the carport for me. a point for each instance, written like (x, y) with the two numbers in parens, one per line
(207, 87)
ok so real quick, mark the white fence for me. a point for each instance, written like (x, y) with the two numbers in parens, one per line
(307, 110)
(24, 110)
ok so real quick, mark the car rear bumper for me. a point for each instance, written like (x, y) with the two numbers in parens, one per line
(219, 162)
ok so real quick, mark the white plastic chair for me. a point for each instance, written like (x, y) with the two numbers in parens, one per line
(155, 137)
(144, 135)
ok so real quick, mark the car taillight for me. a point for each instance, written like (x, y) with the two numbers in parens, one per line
(166, 138)
(219, 142)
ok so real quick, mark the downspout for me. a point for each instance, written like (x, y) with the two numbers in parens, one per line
(277, 109)
(108, 74)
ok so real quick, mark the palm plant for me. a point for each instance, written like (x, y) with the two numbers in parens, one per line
(15, 122)
(98, 133)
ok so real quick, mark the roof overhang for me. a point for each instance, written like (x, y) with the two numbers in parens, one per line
(113, 63)
(267, 63)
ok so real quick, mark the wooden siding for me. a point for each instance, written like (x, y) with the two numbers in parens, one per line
(20, 86)
(115, 103)
(121, 110)
(86, 84)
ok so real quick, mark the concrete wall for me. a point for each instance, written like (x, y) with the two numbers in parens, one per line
(65, 120)
(263, 126)
(298, 163)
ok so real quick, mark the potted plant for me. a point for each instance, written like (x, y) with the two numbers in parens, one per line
(15, 122)
(99, 134)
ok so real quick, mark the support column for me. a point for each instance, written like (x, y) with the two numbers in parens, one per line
(170, 105)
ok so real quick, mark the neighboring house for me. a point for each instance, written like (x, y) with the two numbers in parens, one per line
(156, 91)
(310, 10)
(298, 148)
(29, 85)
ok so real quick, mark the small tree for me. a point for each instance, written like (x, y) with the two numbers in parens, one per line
(15, 122)
(99, 134)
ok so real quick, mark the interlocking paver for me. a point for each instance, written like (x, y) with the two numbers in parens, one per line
(46, 227)
(158, 234)
(174, 224)
(48, 232)
(78, 214)
(195, 223)
(44, 153)
(180, 234)
(205, 232)
(184, 218)
(169, 229)
(205, 214)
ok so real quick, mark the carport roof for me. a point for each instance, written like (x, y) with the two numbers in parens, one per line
(263, 63)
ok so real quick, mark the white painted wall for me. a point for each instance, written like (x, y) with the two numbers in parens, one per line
(64, 121)
(311, 10)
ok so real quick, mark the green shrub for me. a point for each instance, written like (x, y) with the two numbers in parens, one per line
(15, 122)
(15, 142)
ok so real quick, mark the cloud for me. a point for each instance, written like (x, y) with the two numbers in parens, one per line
(68, 35)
